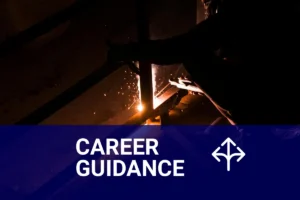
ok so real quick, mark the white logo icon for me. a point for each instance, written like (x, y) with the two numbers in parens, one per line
(241, 154)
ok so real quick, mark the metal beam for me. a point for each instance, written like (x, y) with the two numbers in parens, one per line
(51, 107)
(69, 95)
(145, 67)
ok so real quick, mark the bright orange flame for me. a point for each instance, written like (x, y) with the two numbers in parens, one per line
(140, 107)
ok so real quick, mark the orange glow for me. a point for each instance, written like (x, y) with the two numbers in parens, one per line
(140, 107)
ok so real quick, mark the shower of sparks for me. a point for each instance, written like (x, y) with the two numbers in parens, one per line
(129, 91)
(126, 93)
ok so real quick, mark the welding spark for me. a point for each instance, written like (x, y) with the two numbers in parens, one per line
(155, 86)
(140, 107)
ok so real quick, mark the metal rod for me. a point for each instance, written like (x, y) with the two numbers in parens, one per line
(61, 100)
(145, 67)
(69, 95)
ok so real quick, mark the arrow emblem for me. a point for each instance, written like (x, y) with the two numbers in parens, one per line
(241, 154)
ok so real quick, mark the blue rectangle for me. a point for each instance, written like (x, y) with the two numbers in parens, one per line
(40, 162)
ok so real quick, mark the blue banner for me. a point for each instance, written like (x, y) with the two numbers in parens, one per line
(141, 162)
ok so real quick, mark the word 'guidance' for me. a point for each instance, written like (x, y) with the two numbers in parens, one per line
(109, 165)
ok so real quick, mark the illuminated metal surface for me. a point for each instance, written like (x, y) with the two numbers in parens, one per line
(186, 86)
